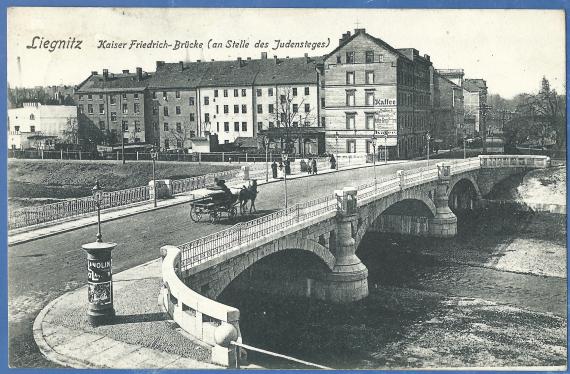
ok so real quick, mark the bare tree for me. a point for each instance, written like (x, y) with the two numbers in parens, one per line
(70, 134)
(292, 118)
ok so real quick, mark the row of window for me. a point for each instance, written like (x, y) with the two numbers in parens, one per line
(408, 99)
(166, 111)
(112, 98)
(166, 127)
(125, 109)
(368, 77)
(236, 126)
(350, 57)
(351, 101)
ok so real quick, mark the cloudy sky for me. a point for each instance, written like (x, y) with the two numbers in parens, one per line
(511, 49)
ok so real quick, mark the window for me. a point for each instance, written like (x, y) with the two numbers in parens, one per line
(243, 92)
(89, 97)
(294, 91)
(112, 99)
(271, 125)
(369, 148)
(32, 128)
(322, 102)
(177, 94)
(125, 126)
(193, 133)
(259, 109)
(165, 110)
(102, 125)
(101, 97)
(177, 109)
(307, 108)
(217, 127)
(80, 97)
(154, 110)
(236, 91)
(244, 126)
(17, 128)
(137, 108)
(101, 109)
(236, 108)
(270, 92)
(369, 77)
(124, 96)
(217, 109)
(295, 108)
(295, 124)
(191, 101)
(206, 100)
(270, 108)
(155, 126)
(206, 117)
(165, 95)
(369, 57)
(323, 121)
(338, 59)
(236, 126)
(226, 109)
(259, 126)
(192, 119)
(226, 126)
(350, 121)
(381, 58)
(244, 108)
(351, 146)
(215, 93)
(307, 91)
(154, 94)
(350, 57)
(90, 108)
(137, 126)
(166, 144)
(165, 126)
(225, 93)
(137, 140)
(114, 116)
(369, 98)
(125, 140)
(136, 96)
(283, 99)
(350, 98)
(349, 77)
(369, 121)
(258, 92)
(178, 127)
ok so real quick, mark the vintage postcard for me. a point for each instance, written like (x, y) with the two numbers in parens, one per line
(281, 188)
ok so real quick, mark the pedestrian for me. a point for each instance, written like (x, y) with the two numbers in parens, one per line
(333, 162)
(287, 167)
(274, 169)
(314, 166)
(281, 169)
(309, 166)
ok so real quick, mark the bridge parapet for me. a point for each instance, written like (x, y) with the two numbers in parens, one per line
(529, 161)
(207, 320)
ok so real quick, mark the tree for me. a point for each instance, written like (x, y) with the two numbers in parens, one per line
(292, 119)
(181, 135)
(70, 134)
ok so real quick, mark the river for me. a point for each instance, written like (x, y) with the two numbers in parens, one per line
(493, 296)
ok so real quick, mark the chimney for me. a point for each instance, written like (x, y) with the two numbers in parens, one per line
(159, 64)
(264, 55)
(125, 72)
(139, 74)
(306, 57)
(198, 60)
(427, 57)
(356, 31)
(181, 65)
(105, 73)
(249, 59)
(275, 59)
(240, 62)
(344, 38)
(212, 60)
(94, 73)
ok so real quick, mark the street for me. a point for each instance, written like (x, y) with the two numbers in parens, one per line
(41, 270)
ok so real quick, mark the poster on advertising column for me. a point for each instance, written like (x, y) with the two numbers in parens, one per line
(386, 121)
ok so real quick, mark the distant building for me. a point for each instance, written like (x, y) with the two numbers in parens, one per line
(42, 126)
(448, 110)
(475, 96)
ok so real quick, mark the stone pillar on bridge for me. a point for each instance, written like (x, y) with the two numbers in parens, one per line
(444, 224)
(349, 279)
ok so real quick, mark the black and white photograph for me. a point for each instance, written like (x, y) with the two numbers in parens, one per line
(286, 188)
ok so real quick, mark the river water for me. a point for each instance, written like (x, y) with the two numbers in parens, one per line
(495, 295)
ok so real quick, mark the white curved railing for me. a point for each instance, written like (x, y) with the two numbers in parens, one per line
(221, 242)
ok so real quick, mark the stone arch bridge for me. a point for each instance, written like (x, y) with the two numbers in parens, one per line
(330, 228)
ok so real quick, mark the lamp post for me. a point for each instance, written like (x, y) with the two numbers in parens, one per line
(284, 158)
(154, 157)
(428, 138)
(385, 147)
(464, 150)
(374, 154)
(266, 144)
(336, 149)
(99, 273)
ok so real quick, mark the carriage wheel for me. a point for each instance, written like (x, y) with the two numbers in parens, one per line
(214, 216)
(195, 214)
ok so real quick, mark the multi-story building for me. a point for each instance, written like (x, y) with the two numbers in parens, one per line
(40, 126)
(448, 112)
(114, 108)
(372, 89)
(476, 103)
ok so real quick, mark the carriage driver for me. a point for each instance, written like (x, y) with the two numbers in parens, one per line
(222, 184)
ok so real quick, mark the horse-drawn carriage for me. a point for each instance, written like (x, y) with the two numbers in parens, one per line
(219, 203)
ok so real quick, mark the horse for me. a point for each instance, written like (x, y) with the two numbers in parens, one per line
(248, 194)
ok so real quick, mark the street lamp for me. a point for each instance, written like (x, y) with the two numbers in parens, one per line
(464, 141)
(266, 142)
(385, 147)
(374, 154)
(97, 197)
(284, 158)
(336, 148)
(154, 157)
(428, 138)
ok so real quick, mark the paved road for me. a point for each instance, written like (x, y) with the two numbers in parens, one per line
(41, 270)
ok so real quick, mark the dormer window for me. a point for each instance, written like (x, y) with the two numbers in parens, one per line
(32, 117)
(350, 57)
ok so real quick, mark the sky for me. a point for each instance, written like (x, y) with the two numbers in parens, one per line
(511, 49)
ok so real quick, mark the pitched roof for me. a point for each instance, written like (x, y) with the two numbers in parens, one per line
(114, 83)
(378, 41)
(474, 85)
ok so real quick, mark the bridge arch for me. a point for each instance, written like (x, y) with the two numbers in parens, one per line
(213, 281)
(463, 179)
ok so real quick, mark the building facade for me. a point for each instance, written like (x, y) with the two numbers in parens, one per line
(42, 126)
(448, 112)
